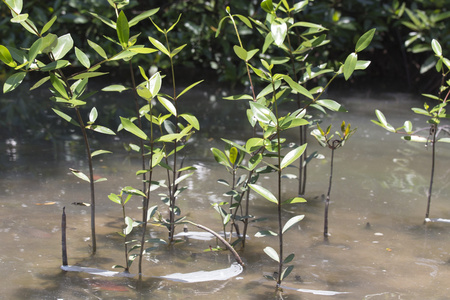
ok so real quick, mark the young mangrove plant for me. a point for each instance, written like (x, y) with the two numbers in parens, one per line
(326, 139)
(435, 115)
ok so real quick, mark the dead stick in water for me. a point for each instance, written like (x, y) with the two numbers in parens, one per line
(229, 247)
(63, 238)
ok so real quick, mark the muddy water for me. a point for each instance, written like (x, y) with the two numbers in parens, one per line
(378, 249)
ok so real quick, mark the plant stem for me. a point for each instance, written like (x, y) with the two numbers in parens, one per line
(63, 238)
(327, 201)
(433, 131)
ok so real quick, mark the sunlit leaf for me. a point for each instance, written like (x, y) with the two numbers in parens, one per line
(114, 198)
(189, 87)
(19, 18)
(80, 175)
(115, 88)
(132, 128)
(264, 233)
(159, 46)
(82, 58)
(5, 56)
(97, 49)
(331, 105)
(279, 31)
(292, 221)
(191, 119)
(220, 157)
(98, 152)
(123, 29)
(286, 272)
(292, 156)
(13, 81)
(64, 45)
(272, 253)
(168, 105)
(142, 16)
(54, 65)
(364, 41)
(66, 117)
(350, 65)
(132, 191)
(264, 192)
(58, 85)
(48, 25)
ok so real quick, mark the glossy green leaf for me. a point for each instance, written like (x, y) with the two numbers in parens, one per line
(107, 21)
(415, 138)
(98, 152)
(233, 155)
(15, 5)
(82, 58)
(289, 258)
(159, 46)
(19, 18)
(132, 191)
(132, 128)
(13, 81)
(58, 85)
(239, 147)
(254, 161)
(80, 175)
(294, 200)
(272, 253)
(177, 50)
(189, 87)
(64, 45)
(264, 192)
(142, 16)
(267, 6)
(240, 52)
(262, 113)
(141, 50)
(331, 105)
(292, 221)
(183, 177)
(191, 119)
(114, 198)
(350, 65)
(88, 75)
(279, 32)
(168, 105)
(66, 117)
(115, 88)
(364, 41)
(34, 51)
(220, 157)
(154, 84)
(297, 87)
(286, 272)
(49, 43)
(129, 222)
(5, 56)
(123, 29)
(48, 25)
(97, 49)
(436, 47)
(54, 65)
(292, 156)
(93, 115)
(40, 82)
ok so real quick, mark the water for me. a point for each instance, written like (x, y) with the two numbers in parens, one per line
(378, 249)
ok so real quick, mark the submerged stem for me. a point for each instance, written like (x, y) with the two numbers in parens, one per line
(327, 201)
(433, 131)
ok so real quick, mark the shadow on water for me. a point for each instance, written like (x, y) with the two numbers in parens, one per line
(378, 249)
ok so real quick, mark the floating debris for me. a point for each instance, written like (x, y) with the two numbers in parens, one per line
(201, 276)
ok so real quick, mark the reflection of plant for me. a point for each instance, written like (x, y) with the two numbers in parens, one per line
(435, 115)
(326, 140)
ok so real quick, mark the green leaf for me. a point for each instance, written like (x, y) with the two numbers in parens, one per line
(123, 29)
(415, 138)
(97, 49)
(350, 65)
(183, 177)
(279, 32)
(142, 16)
(267, 6)
(289, 258)
(129, 222)
(297, 87)
(82, 58)
(5, 56)
(364, 41)
(220, 157)
(240, 52)
(262, 113)
(154, 84)
(168, 105)
(13, 81)
(264, 233)
(34, 51)
(272, 253)
(233, 155)
(65, 43)
(15, 5)
(93, 115)
(177, 50)
(66, 117)
(19, 18)
(331, 105)
(58, 85)
(54, 65)
(292, 156)
(292, 221)
(107, 21)
(263, 192)
(132, 128)
(80, 175)
(114, 198)
(115, 88)
(436, 47)
(48, 25)
(132, 191)
(294, 200)
(191, 119)
(40, 82)
(88, 75)
(286, 272)
(159, 46)
(189, 87)
(98, 152)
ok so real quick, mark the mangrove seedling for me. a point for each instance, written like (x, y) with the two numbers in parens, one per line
(435, 115)
(326, 139)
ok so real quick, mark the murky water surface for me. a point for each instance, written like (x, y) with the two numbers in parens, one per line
(378, 249)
